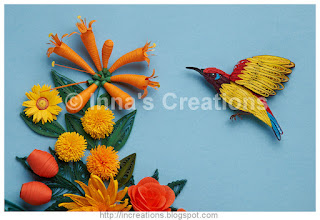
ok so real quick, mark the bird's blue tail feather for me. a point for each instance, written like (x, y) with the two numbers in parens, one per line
(275, 126)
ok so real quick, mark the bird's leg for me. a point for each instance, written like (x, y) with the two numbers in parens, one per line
(234, 117)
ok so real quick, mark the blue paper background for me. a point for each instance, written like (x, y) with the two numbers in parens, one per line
(230, 166)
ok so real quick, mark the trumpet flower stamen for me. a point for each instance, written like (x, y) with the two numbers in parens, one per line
(55, 64)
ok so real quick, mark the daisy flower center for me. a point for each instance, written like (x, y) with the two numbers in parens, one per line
(42, 103)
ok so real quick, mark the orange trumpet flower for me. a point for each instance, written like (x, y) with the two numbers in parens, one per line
(89, 41)
(106, 52)
(65, 51)
(137, 55)
(138, 81)
(123, 99)
(76, 103)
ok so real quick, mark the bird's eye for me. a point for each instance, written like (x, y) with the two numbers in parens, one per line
(213, 74)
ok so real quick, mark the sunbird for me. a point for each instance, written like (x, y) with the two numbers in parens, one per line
(251, 82)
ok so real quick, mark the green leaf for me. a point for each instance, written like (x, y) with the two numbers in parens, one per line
(11, 206)
(23, 161)
(55, 207)
(60, 185)
(126, 169)
(121, 131)
(173, 209)
(156, 174)
(72, 170)
(67, 93)
(177, 186)
(73, 123)
(49, 129)
(104, 99)
(130, 182)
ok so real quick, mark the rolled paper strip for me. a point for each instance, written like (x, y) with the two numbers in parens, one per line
(123, 99)
(35, 193)
(65, 51)
(89, 42)
(137, 55)
(139, 81)
(76, 103)
(106, 52)
(42, 163)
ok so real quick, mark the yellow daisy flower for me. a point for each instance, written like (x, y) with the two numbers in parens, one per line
(98, 197)
(70, 146)
(42, 104)
(97, 121)
(103, 161)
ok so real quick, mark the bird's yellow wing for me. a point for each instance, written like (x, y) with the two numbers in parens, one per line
(262, 74)
(244, 100)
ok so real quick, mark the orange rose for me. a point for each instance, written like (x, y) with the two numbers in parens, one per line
(149, 195)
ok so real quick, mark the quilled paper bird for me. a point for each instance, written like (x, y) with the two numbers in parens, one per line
(251, 82)
(102, 77)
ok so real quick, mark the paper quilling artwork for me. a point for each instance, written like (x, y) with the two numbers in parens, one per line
(61, 175)
(127, 108)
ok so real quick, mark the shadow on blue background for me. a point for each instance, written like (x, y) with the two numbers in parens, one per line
(230, 166)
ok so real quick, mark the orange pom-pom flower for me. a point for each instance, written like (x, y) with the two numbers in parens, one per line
(43, 164)
(35, 193)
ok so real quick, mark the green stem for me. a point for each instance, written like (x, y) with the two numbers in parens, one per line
(98, 90)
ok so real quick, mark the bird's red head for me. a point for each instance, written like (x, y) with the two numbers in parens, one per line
(213, 70)
(214, 76)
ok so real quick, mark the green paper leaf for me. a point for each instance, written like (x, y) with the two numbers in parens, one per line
(173, 209)
(177, 186)
(72, 170)
(156, 174)
(73, 123)
(55, 207)
(126, 169)
(23, 161)
(49, 129)
(130, 182)
(121, 132)
(105, 99)
(60, 185)
(67, 93)
(11, 206)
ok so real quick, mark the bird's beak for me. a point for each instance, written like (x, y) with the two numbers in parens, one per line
(196, 69)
